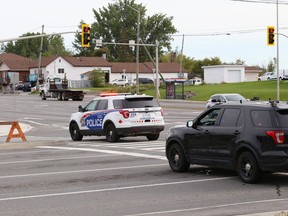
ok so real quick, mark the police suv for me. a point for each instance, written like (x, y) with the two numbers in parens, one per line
(115, 116)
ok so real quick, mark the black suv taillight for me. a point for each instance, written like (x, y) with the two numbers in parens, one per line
(124, 113)
(277, 135)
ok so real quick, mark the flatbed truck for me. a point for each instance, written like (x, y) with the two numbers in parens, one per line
(58, 88)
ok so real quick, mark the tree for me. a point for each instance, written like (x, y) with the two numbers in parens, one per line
(29, 48)
(118, 23)
(272, 65)
(56, 47)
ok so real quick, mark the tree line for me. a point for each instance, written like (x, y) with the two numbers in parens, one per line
(118, 23)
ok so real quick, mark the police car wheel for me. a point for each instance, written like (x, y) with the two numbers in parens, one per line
(75, 133)
(153, 136)
(111, 134)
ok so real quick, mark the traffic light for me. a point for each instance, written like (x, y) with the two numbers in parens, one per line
(270, 35)
(85, 39)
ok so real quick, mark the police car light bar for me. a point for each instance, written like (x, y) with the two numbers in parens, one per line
(106, 94)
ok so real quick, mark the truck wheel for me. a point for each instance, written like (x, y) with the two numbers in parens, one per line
(42, 95)
(75, 132)
(111, 134)
(59, 96)
(65, 97)
(153, 136)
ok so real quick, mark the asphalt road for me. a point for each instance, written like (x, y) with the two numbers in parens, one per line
(52, 175)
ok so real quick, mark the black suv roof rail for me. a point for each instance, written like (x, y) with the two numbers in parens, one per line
(273, 103)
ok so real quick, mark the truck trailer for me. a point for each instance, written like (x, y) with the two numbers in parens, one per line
(57, 87)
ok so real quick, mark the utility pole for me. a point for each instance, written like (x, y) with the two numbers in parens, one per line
(137, 51)
(278, 81)
(39, 60)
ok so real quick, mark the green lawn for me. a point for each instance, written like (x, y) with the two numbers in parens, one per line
(264, 90)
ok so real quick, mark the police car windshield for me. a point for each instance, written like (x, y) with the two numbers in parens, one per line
(134, 103)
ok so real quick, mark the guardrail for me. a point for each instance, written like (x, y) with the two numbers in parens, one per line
(14, 125)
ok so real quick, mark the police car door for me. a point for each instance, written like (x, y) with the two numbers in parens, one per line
(95, 120)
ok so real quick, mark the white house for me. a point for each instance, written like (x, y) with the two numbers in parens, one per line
(73, 67)
(78, 69)
(224, 73)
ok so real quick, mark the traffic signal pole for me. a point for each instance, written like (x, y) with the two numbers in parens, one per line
(36, 36)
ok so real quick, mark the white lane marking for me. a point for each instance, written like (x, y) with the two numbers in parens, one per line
(81, 171)
(52, 159)
(107, 152)
(26, 118)
(112, 189)
(211, 207)
(37, 123)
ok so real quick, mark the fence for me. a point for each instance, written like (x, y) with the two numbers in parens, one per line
(79, 84)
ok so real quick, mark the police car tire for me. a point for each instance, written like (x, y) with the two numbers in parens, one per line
(111, 134)
(75, 133)
(153, 136)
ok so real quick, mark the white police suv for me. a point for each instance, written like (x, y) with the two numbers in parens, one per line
(114, 116)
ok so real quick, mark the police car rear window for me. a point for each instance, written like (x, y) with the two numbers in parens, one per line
(134, 103)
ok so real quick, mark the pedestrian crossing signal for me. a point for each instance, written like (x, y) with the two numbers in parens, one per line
(85, 38)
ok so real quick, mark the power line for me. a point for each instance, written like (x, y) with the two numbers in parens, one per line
(263, 1)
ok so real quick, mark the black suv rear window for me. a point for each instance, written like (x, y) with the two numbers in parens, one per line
(135, 103)
(261, 118)
(283, 117)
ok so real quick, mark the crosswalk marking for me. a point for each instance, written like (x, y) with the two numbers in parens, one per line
(155, 146)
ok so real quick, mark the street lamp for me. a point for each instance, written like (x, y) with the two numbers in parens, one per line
(137, 46)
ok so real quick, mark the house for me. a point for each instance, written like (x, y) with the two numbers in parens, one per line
(79, 68)
(230, 73)
(14, 68)
(252, 73)
(72, 67)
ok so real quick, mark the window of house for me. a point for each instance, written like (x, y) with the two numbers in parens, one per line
(61, 70)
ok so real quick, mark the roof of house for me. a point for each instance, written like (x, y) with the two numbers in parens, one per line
(19, 63)
(15, 62)
(88, 61)
(44, 61)
(145, 67)
(75, 61)
(252, 69)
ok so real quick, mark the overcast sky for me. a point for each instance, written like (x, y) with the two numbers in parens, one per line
(204, 24)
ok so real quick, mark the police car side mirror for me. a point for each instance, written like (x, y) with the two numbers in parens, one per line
(80, 108)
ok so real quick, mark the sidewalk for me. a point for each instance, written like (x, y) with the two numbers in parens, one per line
(18, 142)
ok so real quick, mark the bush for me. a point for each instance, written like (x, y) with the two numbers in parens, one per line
(97, 78)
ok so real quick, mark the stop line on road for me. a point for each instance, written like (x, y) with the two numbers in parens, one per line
(157, 146)
(106, 151)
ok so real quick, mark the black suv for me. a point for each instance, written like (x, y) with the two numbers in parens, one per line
(251, 138)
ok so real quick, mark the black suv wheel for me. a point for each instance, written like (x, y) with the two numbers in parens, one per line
(248, 169)
(177, 160)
